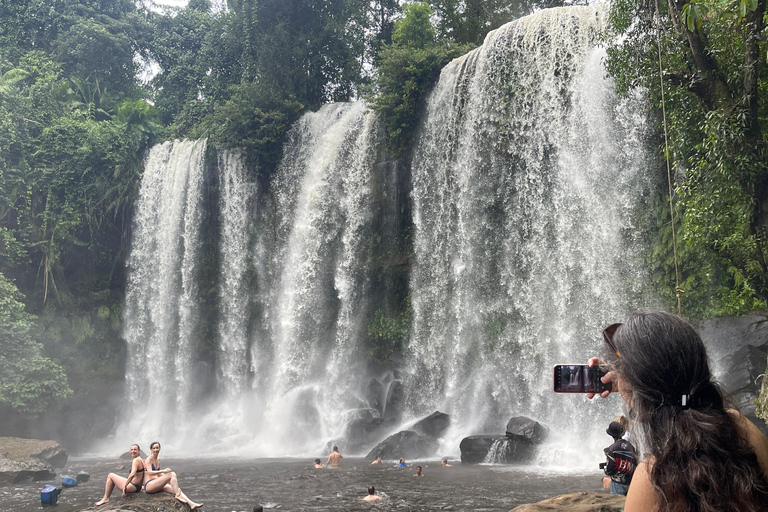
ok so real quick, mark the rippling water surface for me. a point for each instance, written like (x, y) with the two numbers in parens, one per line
(236, 485)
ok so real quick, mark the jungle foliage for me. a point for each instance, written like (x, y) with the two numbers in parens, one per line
(714, 74)
(710, 57)
(87, 86)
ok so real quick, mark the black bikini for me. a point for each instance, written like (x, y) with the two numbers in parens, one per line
(138, 487)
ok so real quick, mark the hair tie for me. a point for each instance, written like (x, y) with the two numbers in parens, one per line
(689, 401)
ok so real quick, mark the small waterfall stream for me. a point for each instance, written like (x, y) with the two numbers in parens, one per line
(528, 195)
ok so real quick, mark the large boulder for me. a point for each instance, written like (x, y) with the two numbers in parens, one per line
(577, 502)
(496, 449)
(405, 444)
(527, 429)
(16, 471)
(433, 425)
(29, 460)
(364, 427)
(142, 502)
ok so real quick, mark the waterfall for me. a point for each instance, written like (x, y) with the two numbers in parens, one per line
(237, 196)
(528, 187)
(162, 291)
(292, 289)
(249, 299)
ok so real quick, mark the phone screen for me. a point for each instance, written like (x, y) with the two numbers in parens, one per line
(579, 378)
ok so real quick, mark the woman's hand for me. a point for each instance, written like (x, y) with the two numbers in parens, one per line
(605, 379)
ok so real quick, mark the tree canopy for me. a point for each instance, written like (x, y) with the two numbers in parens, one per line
(87, 86)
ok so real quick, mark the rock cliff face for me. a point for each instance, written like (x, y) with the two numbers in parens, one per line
(29, 459)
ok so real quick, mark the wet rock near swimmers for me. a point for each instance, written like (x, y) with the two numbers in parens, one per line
(23, 460)
(141, 502)
(406, 443)
(518, 445)
(577, 502)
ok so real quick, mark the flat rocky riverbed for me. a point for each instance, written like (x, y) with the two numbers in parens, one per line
(236, 485)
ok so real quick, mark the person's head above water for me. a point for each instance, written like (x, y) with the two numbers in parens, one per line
(335, 448)
(317, 461)
(154, 443)
(371, 490)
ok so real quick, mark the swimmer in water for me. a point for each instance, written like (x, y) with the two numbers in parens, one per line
(318, 465)
(334, 457)
(377, 461)
(418, 471)
(371, 496)
(444, 462)
(402, 463)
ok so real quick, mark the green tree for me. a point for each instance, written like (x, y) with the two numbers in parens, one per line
(710, 56)
(409, 68)
(716, 110)
(30, 383)
(176, 46)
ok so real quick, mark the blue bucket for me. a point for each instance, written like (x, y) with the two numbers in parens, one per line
(49, 495)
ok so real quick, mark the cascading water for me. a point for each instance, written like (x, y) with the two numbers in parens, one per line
(528, 182)
(528, 186)
(162, 294)
(292, 291)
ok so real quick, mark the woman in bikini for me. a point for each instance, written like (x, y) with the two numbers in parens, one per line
(158, 479)
(127, 485)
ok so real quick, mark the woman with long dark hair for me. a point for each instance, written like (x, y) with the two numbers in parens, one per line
(702, 454)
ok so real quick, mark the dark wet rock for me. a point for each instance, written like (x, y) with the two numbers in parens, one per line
(142, 502)
(433, 425)
(23, 460)
(393, 409)
(364, 432)
(577, 502)
(374, 395)
(726, 335)
(742, 369)
(496, 449)
(527, 429)
(405, 444)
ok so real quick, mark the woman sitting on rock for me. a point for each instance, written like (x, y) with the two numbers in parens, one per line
(163, 479)
(127, 485)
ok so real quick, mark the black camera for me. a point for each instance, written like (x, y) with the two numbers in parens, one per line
(602, 465)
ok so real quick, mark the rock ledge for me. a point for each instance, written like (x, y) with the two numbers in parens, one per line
(142, 502)
(577, 502)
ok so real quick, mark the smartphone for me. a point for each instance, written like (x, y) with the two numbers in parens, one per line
(579, 378)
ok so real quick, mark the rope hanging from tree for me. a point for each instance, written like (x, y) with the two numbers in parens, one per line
(678, 291)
